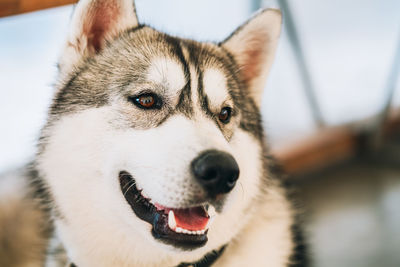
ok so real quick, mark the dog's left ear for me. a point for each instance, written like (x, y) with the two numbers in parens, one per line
(93, 23)
(253, 47)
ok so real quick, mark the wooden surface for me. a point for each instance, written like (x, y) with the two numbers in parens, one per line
(15, 7)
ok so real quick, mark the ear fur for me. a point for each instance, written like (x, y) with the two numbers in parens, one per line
(93, 23)
(253, 46)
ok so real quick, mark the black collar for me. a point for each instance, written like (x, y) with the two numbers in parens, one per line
(206, 261)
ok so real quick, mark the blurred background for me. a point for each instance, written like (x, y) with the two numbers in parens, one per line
(331, 105)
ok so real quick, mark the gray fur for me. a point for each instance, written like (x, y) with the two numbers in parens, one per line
(121, 66)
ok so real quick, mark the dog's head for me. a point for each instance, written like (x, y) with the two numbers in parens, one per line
(154, 143)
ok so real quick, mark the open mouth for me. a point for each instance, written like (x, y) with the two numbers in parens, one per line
(185, 228)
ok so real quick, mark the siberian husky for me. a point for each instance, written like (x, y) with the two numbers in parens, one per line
(154, 153)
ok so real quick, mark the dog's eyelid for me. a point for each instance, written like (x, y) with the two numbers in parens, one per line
(228, 103)
(145, 91)
(231, 105)
(235, 111)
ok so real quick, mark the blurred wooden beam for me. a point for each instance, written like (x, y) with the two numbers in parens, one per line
(322, 149)
(15, 7)
(331, 145)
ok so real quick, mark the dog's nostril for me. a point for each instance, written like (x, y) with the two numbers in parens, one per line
(217, 171)
(210, 174)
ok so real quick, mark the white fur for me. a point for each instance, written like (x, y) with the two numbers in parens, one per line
(194, 84)
(100, 229)
(168, 73)
(215, 87)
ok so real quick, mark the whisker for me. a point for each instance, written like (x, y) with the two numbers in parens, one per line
(241, 185)
(128, 184)
(133, 183)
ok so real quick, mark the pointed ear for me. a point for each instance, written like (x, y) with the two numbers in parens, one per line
(93, 23)
(253, 46)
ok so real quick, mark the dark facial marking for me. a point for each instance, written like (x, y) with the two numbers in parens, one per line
(185, 103)
(204, 103)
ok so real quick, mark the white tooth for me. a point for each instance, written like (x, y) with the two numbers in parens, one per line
(178, 230)
(198, 232)
(171, 220)
(211, 211)
(185, 231)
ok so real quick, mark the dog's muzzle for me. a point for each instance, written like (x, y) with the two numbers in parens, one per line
(186, 228)
(216, 171)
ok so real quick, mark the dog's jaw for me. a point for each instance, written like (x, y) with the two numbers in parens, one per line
(187, 232)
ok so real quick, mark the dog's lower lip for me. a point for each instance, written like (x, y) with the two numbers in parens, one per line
(148, 212)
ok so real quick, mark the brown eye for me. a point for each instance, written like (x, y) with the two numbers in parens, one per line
(147, 101)
(225, 115)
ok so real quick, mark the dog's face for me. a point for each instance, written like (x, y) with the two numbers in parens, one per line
(154, 143)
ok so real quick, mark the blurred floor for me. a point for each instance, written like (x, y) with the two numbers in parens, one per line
(353, 212)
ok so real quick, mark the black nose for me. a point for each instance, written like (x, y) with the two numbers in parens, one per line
(217, 171)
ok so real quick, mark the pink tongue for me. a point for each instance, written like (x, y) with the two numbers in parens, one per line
(191, 219)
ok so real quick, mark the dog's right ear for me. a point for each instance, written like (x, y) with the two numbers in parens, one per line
(95, 22)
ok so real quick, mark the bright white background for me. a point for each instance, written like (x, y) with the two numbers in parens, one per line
(349, 46)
